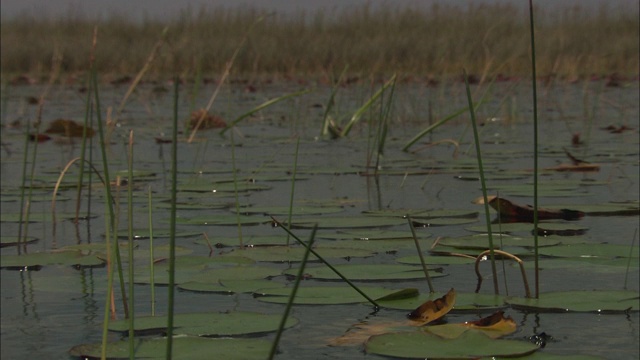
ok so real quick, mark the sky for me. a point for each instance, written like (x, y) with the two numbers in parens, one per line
(166, 9)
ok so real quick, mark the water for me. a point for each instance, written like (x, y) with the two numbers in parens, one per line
(46, 312)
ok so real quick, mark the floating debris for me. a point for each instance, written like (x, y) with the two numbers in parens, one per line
(68, 128)
(203, 120)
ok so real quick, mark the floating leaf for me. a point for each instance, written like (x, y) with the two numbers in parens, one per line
(184, 347)
(346, 222)
(367, 272)
(222, 187)
(14, 240)
(464, 302)
(607, 251)
(442, 221)
(284, 210)
(433, 310)
(470, 344)
(223, 219)
(321, 295)
(481, 241)
(230, 286)
(580, 301)
(435, 260)
(293, 254)
(206, 324)
(67, 258)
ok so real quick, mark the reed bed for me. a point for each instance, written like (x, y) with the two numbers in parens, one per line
(435, 42)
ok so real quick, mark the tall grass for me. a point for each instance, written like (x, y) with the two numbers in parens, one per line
(573, 42)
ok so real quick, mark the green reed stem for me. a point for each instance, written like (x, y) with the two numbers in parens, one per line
(23, 188)
(293, 185)
(626, 274)
(105, 168)
(326, 120)
(296, 284)
(373, 302)
(383, 125)
(235, 188)
(534, 88)
(172, 226)
(472, 112)
(83, 148)
(363, 109)
(130, 228)
(424, 265)
(151, 268)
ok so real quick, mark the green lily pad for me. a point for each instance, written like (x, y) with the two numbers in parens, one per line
(580, 301)
(346, 222)
(321, 295)
(371, 234)
(222, 187)
(606, 209)
(67, 258)
(38, 217)
(223, 219)
(471, 344)
(292, 254)
(14, 240)
(367, 272)
(140, 233)
(435, 260)
(207, 324)
(229, 287)
(590, 251)
(186, 347)
(211, 276)
(284, 210)
(481, 241)
(381, 246)
(587, 264)
(247, 240)
(464, 302)
(424, 214)
(443, 221)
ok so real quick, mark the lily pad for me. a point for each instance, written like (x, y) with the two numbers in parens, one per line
(607, 251)
(367, 272)
(291, 254)
(14, 240)
(346, 222)
(435, 260)
(207, 324)
(471, 344)
(606, 209)
(140, 233)
(481, 241)
(371, 234)
(321, 295)
(229, 287)
(464, 302)
(284, 210)
(67, 258)
(443, 221)
(223, 219)
(222, 187)
(186, 347)
(580, 301)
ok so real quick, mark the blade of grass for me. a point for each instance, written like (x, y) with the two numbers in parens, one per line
(326, 120)
(383, 125)
(151, 261)
(534, 89)
(287, 310)
(293, 184)
(373, 302)
(482, 182)
(262, 106)
(424, 266)
(235, 189)
(132, 343)
(358, 114)
(172, 226)
(453, 115)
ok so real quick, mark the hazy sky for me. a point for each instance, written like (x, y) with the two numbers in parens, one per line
(163, 9)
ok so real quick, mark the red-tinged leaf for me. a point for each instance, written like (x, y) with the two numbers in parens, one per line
(39, 137)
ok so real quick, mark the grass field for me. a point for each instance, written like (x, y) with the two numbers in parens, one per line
(431, 43)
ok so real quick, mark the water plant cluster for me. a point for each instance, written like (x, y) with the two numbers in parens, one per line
(230, 218)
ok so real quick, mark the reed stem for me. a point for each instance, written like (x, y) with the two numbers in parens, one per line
(534, 88)
(293, 185)
(424, 265)
(472, 112)
(296, 284)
